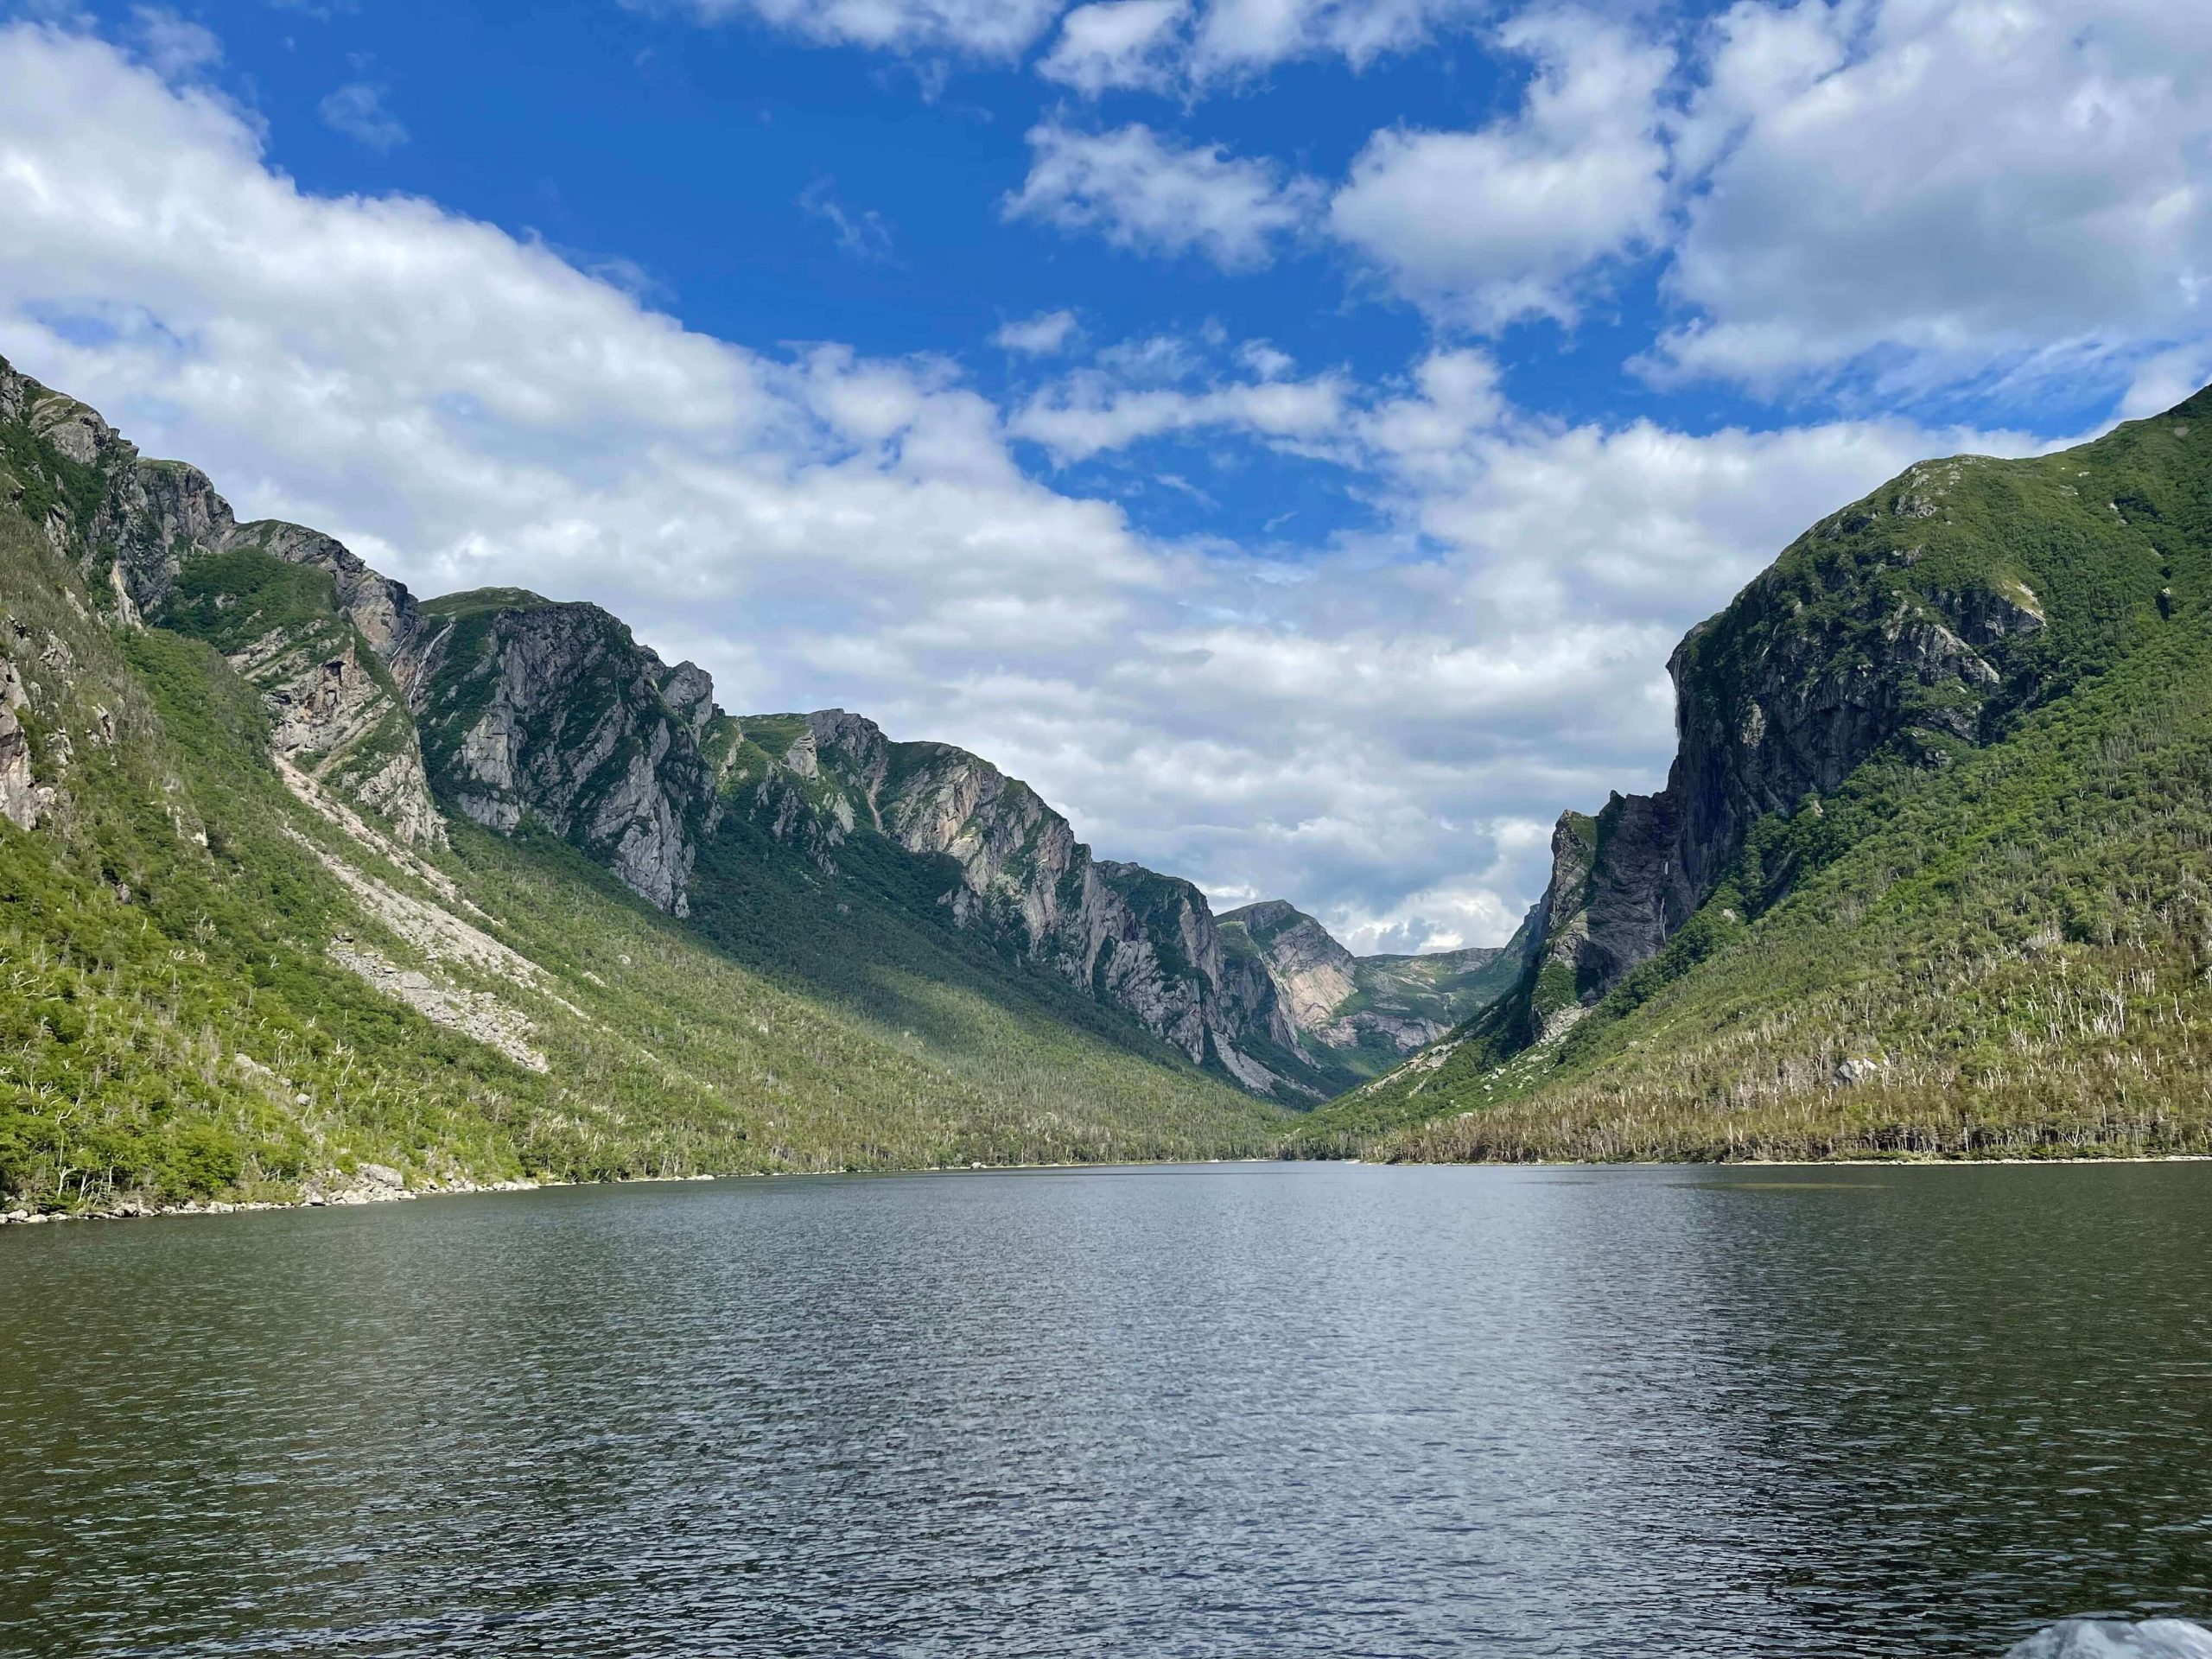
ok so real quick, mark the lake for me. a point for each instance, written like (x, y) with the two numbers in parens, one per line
(1246, 1409)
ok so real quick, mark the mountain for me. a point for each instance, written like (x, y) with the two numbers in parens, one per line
(1932, 869)
(308, 886)
(1007, 869)
(1360, 1016)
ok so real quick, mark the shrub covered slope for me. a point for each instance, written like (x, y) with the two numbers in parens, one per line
(243, 953)
(1932, 872)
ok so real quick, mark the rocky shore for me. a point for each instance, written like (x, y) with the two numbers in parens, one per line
(370, 1184)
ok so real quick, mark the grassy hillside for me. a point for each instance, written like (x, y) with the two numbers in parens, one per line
(1993, 944)
(184, 1019)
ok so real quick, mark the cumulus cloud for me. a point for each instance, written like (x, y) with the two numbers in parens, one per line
(1492, 224)
(1930, 188)
(1117, 43)
(1379, 728)
(1092, 410)
(1042, 336)
(978, 28)
(357, 111)
(1151, 195)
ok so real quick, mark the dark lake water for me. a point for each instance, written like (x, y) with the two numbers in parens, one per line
(1265, 1410)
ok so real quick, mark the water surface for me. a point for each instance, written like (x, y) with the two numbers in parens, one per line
(1263, 1410)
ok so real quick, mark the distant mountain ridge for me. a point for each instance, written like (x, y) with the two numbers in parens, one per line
(1366, 1012)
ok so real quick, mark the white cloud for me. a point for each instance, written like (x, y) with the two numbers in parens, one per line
(357, 111)
(1239, 37)
(1493, 225)
(862, 234)
(1092, 410)
(1368, 727)
(1117, 43)
(1152, 45)
(1932, 187)
(176, 47)
(1046, 334)
(2171, 376)
(1151, 196)
(979, 28)
(1180, 46)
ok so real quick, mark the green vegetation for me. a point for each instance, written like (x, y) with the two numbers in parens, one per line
(175, 1025)
(486, 601)
(1998, 945)
(187, 1009)
(1994, 938)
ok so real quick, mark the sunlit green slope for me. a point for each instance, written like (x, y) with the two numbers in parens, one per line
(1990, 934)
(225, 973)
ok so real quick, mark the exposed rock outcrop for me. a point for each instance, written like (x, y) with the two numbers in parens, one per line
(1839, 650)
(133, 525)
(1342, 1005)
(1146, 944)
(1313, 973)
(23, 803)
(553, 712)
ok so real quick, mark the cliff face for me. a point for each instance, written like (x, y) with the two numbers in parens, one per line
(553, 712)
(1314, 973)
(1140, 942)
(1855, 643)
(155, 540)
(1362, 1011)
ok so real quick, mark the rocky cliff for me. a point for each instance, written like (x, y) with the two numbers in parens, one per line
(1928, 874)
(308, 624)
(1364, 1012)
(530, 710)
(1141, 943)
(1869, 636)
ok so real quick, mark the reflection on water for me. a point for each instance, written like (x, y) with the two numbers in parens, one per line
(1243, 1410)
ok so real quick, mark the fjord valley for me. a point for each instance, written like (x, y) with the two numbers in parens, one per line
(1932, 871)
(316, 889)
(311, 887)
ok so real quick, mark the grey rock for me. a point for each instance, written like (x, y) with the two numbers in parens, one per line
(1335, 1001)
(552, 712)
(21, 802)
(330, 707)
(1145, 943)
(1815, 666)
(1313, 973)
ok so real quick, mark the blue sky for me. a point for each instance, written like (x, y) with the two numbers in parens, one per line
(1291, 433)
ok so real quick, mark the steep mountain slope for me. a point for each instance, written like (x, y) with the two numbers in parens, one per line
(1360, 1016)
(983, 851)
(1932, 868)
(554, 712)
(261, 933)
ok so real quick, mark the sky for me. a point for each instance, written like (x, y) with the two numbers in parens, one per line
(1290, 434)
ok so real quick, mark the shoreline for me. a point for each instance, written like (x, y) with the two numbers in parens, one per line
(373, 1192)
